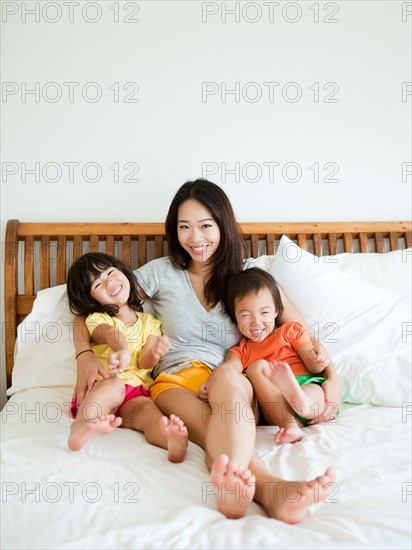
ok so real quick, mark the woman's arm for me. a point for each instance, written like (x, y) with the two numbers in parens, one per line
(87, 364)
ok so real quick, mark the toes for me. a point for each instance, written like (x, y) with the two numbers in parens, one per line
(164, 421)
(219, 466)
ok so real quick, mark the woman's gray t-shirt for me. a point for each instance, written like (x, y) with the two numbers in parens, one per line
(194, 332)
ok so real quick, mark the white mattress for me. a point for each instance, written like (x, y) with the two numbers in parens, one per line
(53, 498)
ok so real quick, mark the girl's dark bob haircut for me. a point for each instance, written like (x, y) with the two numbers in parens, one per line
(84, 271)
(251, 281)
(228, 257)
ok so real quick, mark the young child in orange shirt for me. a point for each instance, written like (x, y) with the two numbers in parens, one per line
(279, 362)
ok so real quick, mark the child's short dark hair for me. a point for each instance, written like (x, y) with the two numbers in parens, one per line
(79, 277)
(251, 281)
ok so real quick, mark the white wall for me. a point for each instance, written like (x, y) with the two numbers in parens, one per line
(317, 126)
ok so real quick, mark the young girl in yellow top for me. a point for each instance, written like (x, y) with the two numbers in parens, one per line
(128, 343)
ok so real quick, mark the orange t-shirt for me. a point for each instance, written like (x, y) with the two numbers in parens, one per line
(280, 345)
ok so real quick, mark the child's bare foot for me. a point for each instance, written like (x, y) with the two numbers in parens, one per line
(290, 434)
(281, 376)
(235, 486)
(289, 500)
(176, 434)
(80, 434)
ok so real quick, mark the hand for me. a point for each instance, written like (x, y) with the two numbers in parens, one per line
(87, 368)
(203, 392)
(118, 360)
(320, 355)
(331, 389)
(160, 347)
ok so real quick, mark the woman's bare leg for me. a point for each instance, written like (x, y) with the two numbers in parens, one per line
(231, 459)
(288, 500)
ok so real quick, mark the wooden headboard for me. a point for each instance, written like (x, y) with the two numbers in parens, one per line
(38, 255)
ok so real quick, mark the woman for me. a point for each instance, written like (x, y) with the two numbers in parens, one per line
(188, 291)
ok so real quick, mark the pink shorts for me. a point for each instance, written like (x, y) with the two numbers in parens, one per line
(131, 393)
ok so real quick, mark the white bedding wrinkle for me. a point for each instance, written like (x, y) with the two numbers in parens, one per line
(120, 492)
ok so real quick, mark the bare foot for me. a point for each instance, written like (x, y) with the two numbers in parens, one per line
(176, 434)
(289, 500)
(80, 434)
(235, 486)
(290, 434)
(281, 376)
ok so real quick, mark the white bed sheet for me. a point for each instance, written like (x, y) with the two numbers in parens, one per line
(53, 498)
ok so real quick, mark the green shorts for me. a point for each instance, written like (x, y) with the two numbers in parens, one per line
(303, 379)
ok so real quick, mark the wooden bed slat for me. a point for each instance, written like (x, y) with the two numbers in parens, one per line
(270, 244)
(302, 241)
(126, 249)
(363, 242)
(332, 244)
(45, 262)
(379, 247)
(61, 260)
(408, 239)
(29, 265)
(254, 246)
(94, 243)
(159, 247)
(77, 247)
(140, 242)
(347, 242)
(110, 245)
(317, 244)
(142, 250)
(393, 241)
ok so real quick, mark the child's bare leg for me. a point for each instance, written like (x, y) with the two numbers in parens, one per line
(307, 400)
(142, 414)
(93, 415)
(274, 406)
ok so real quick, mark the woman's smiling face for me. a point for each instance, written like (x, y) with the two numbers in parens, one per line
(197, 231)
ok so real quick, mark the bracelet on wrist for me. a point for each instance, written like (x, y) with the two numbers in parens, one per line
(84, 351)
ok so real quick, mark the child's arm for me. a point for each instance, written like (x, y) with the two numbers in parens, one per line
(154, 349)
(114, 338)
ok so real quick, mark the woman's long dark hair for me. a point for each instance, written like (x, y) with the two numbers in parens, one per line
(228, 258)
(79, 278)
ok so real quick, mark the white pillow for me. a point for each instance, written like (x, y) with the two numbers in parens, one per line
(392, 270)
(366, 329)
(44, 351)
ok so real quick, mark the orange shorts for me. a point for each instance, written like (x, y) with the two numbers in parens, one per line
(190, 378)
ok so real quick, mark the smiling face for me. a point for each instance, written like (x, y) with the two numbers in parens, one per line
(197, 231)
(111, 286)
(256, 314)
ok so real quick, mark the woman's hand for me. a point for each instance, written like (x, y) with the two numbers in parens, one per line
(203, 392)
(87, 368)
(331, 389)
(320, 355)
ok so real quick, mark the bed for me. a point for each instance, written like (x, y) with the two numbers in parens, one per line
(351, 282)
